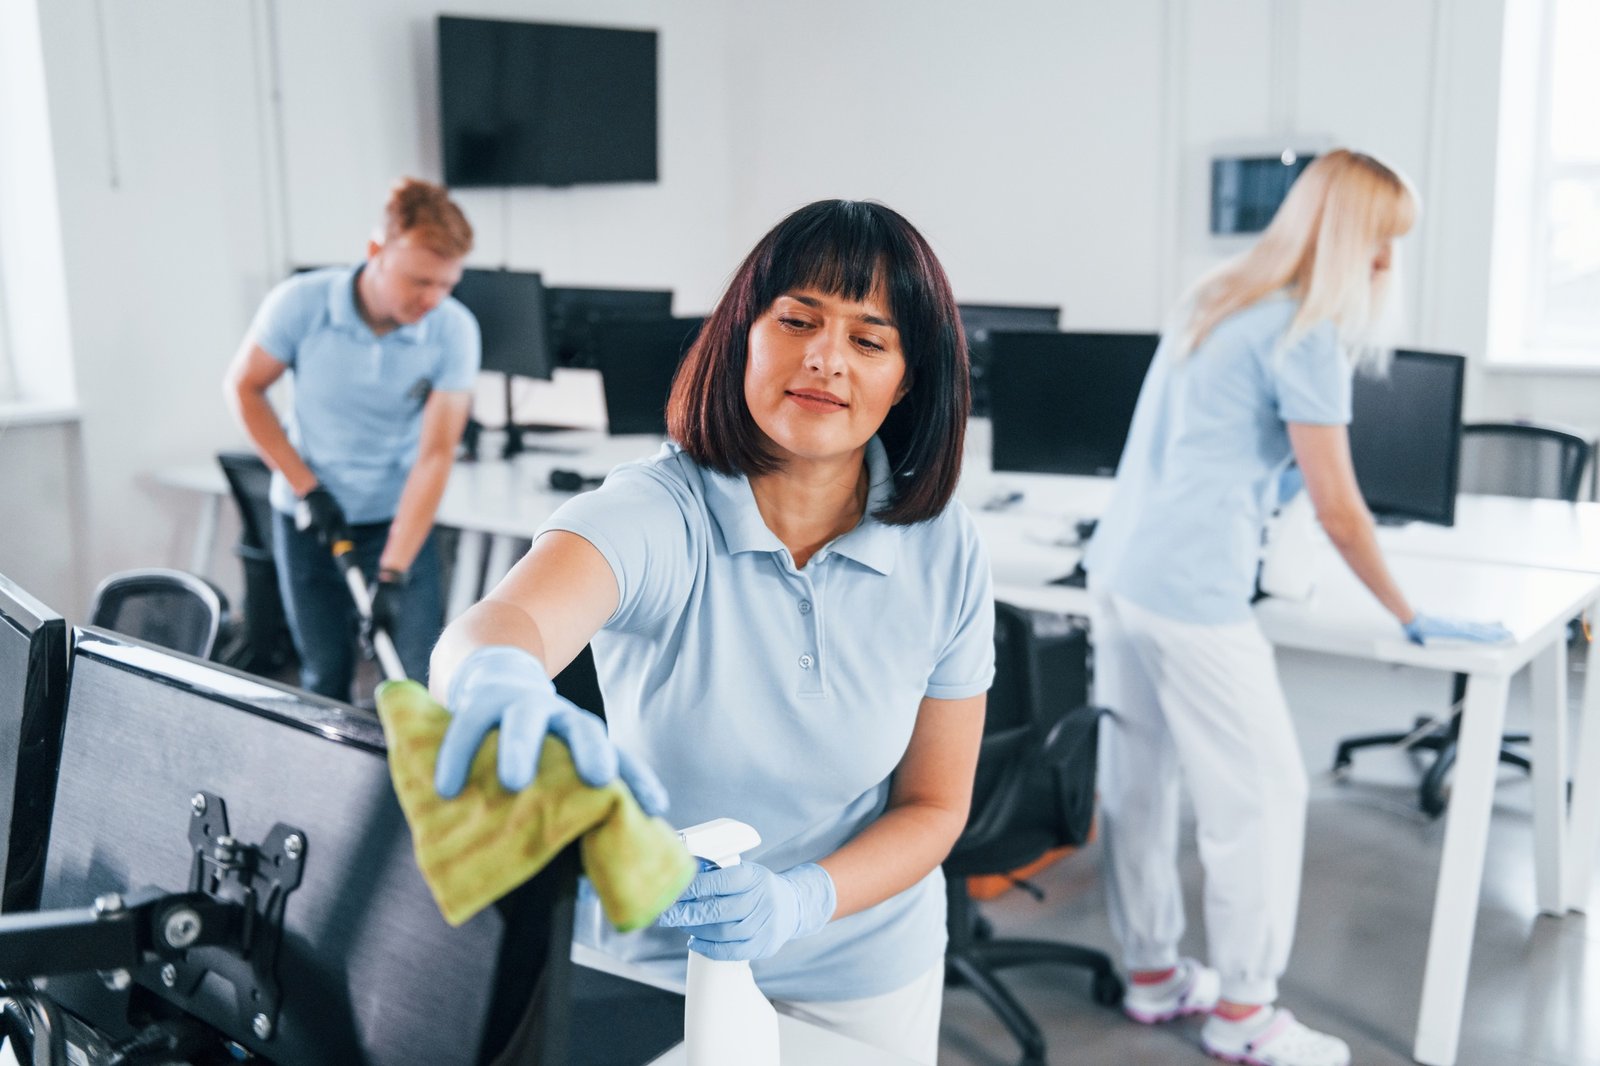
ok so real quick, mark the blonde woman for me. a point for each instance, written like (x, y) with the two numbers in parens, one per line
(1255, 373)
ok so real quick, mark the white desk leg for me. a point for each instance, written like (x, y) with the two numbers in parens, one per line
(503, 556)
(467, 575)
(1549, 751)
(205, 536)
(1585, 830)
(1455, 902)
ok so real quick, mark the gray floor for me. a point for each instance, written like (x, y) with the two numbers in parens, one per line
(1534, 994)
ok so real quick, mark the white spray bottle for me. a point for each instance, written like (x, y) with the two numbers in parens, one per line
(726, 1019)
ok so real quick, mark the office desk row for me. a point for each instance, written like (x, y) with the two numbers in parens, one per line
(1534, 565)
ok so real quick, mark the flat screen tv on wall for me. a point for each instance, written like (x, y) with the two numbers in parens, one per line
(534, 103)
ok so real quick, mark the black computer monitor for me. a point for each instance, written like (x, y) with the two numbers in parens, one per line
(33, 696)
(637, 362)
(510, 308)
(514, 323)
(1061, 403)
(1405, 436)
(978, 321)
(575, 312)
(367, 971)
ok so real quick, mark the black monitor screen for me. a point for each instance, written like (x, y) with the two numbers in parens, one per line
(637, 364)
(529, 103)
(510, 308)
(33, 692)
(978, 321)
(1061, 403)
(576, 312)
(1246, 190)
(1405, 436)
(367, 970)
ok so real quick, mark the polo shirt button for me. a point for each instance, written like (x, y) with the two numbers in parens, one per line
(805, 606)
(806, 661)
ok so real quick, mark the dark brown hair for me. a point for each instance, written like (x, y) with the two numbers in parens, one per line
(851, 249)
(424, 211)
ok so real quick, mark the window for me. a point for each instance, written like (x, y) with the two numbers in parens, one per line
(1564, 303)
(36, 378)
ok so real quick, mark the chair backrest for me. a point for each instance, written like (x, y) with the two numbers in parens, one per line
(249, 480)
(171, 608)
(1034, 788)
(1527, 459)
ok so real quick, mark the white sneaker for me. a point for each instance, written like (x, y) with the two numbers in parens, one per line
(1272, 1038)
(1193, 988)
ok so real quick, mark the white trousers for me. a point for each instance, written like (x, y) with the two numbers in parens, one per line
(905, 1021)
(1202, 701)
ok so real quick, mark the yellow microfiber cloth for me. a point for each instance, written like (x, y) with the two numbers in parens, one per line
(475, 848)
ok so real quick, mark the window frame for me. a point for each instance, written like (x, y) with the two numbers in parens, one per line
(1539, 333)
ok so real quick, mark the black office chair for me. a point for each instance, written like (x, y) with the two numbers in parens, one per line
(262, 644)
(1525, 459)
(1034, 791)
(172, 608)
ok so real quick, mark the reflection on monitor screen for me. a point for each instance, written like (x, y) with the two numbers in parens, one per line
(979, 321)
(576, 313)
(1061, 403)
(1246, 190)
(637, 363)
(1405, 436)
(510, 308)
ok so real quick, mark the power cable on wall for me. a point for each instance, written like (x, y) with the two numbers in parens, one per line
(1282, 65)
(102, 40)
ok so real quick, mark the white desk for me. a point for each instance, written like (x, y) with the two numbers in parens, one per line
(1344, 619)
(1502, 529)
(495, 504)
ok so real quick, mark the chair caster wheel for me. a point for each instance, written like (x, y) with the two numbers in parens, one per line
(1107, 989)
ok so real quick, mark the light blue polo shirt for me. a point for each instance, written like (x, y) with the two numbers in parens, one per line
(356, 418)
(1199, 474)
(782, 697)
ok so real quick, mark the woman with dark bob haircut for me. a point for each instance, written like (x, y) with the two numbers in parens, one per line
(792, 623)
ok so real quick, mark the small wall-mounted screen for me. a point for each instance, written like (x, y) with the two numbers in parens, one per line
(530, 103)
(1246, 190)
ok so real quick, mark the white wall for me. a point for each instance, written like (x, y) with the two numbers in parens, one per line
(1052, 151)
(1020, 140)
(185, 193)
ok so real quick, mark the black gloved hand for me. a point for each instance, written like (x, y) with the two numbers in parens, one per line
(387, 595)
(320, 512)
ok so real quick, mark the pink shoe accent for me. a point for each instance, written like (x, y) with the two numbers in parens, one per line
(1282, 1019)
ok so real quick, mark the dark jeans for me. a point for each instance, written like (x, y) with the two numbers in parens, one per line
(322, 616)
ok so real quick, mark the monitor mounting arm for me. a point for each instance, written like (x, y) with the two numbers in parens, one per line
(229, 923)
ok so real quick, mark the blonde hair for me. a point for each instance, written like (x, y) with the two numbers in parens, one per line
(1319, 247)
(424, 212)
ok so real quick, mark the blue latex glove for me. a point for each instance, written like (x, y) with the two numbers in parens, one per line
(507, 688)
(1430, 629)
(749, 912)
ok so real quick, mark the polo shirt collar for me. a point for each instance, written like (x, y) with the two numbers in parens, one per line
(343, 314)
(871, 543)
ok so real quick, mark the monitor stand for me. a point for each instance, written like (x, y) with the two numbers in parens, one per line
(514, 444)
(1394, 520)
